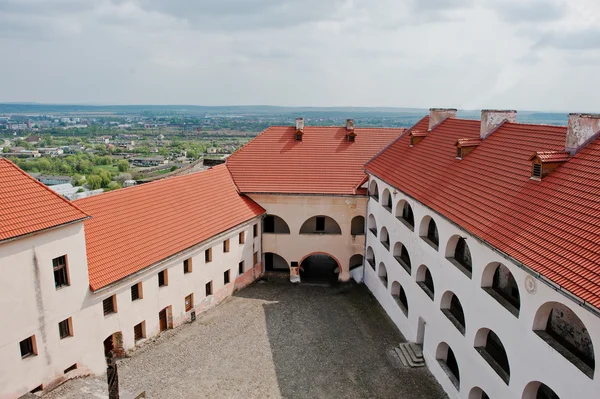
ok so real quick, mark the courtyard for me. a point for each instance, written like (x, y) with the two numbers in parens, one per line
(274, 340)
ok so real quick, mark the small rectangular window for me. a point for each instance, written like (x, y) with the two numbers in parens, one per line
(73, 367)
(139, 331)
(269, 224)
(61, 278)
(64, 328)
(226, 246)
(242, 237)
(459, 153)
(226, 277)
(163, 278)
(187, 266)
(208, 288)
(255, 258)
(208, 255)
(108, 305)
(28, 347)
(320, 223)
(241, 268)
(189, 302)
(136, 292)
(255, 231)
(537, 170)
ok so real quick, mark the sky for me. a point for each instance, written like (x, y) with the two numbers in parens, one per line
(468, 54)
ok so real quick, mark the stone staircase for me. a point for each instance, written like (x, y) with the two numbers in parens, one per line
(410, 354)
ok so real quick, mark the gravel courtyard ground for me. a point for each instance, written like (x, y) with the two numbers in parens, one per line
(275, 340)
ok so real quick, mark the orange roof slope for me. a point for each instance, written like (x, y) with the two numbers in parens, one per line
(551, 226)
(135, 227)
(322, 163)
(27, 206)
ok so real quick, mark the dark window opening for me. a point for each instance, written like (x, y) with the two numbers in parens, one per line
(537, 170)
(226, 246)
(432, 233)
(457, 310)
(462, 254)
(135, 292)
(108, 305)
(269, 224)
(241, 268)
(403, 300)
(59, 265)
(429, 281)
(357, 226)
(298, 136)
(407, 217)
(351, 138)
(504, 284)
(544, 392)
(208, 255)
(563, 333)
(242, 237)
(255, 231)
(226, 277)
(73, 367)
(389, 203)
(162, 278)
(27, 347)
(138, 332)
(459, 153)
(452, 364)
(187, 266)
(39, 388)
(320, 223)
(64, 329)
(495, 350)
(208, 288)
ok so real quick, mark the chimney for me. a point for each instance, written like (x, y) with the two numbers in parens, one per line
(581, 130)
(438, 115)
(492, 119)
(349, 125)
(300, 125)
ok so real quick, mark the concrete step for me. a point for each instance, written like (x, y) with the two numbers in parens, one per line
(401, 357)
(409, 355)
(416, 350)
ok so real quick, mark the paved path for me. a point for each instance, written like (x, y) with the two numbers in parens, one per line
(276, 340)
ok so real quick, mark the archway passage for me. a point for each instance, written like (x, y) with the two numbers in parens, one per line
(319, 268)
(276, 263)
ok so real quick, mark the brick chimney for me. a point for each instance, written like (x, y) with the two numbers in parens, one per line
(299, 124)
(350, 125)
(438, 115)
(581, 130)
(491, 119)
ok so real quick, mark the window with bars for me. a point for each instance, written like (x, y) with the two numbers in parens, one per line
(136, 291)
(187, 266)
(138, 331)
(537, 170)
(459, 153)
(226, 246)
(241, 268)
(64, 328)
(208, 288)
(108, 305)
(208, 255)
(226, 278)
(28, 347)
(242, 237)
(189, 302)
(163, 278)
(61, 278)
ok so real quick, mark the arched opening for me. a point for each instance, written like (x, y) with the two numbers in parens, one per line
(372, 225)
(382, 273)
(459, 254)
(498, 281)
(429, 233)
(113, 346)
(319, 268)
(537, 390)
(404, 213)
(386, 200)
(273, 224)
(385, 238)
(453, 310)
(371, 257)
(478, 393)
(491, 349)
(374, 190)
(276, 263)
(355, 261)
(560, 327)
(447, 360)
(357, 226)
(425, 281)
(401, 255)
(400, 297)
(320, 225)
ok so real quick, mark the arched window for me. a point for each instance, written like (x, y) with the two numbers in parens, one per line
(564, 331)
(478, 393)
(275, 262)
(400, 297)
(382, 273)
(537, 390)
(357, 226)
(401, 255)
(458, 253)
(499, 282)
(404, 214)
(453, 310)
(491, 349)
(385, 238)
(374, 190)
(429, 233)
(425, 281)
(320, 225)
(387, 200)
(356, 261)
(371, 257)
(273, 224)
(372, 225)
(447, 361)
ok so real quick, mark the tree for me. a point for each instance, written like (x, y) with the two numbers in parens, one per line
(123, 166)
(5, 150)
(94, 182)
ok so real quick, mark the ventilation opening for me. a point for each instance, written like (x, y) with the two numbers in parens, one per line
(350, 138)
(39, 388)
(298, 136)
(73, 367)
(459, 153)
(537, 171)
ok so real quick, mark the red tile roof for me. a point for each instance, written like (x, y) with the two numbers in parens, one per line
(551, 156)
(551, 226)
(135, 227)
(468, 142)
(322, 163)
(28, 206)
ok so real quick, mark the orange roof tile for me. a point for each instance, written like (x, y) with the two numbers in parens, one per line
(552, 226)
(28, 206)
(135, 227)
(471, 142)
(551, 156)
(322, 163)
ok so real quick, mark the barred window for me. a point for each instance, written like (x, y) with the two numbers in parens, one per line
(61, 277)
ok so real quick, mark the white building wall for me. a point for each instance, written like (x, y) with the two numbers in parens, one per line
(530, 358)
(296, 209)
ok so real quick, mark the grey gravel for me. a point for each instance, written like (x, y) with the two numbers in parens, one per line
(277, 340)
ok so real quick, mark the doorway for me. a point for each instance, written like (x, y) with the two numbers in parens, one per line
(319, 268)
(163, 319)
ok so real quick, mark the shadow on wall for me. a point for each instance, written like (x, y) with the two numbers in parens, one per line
(329, 342)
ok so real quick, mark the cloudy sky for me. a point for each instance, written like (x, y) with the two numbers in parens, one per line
(524, 54)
